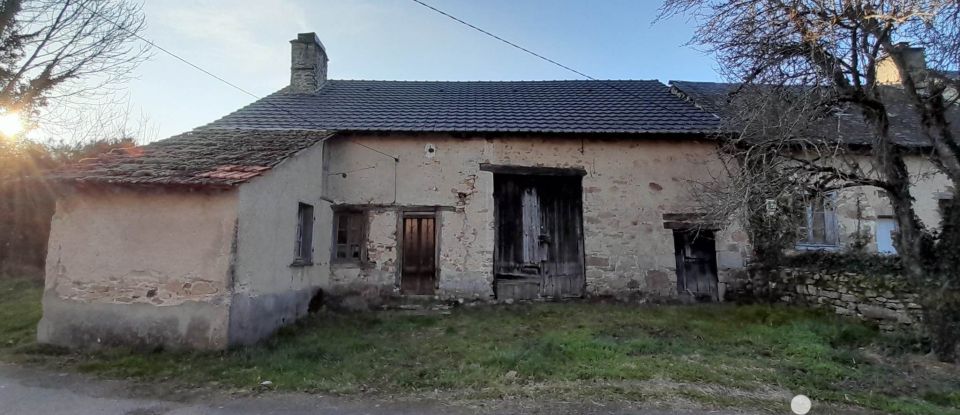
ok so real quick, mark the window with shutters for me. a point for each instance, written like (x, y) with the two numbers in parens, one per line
(349, 236)
(303, 253)
(818, 226)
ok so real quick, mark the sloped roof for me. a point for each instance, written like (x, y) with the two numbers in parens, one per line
(484, 106)
(252, 140)
(849, 128)
(217, 158)
(710, 96)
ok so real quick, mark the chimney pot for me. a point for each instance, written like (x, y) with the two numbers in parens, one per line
(916, 60)
(308, 63)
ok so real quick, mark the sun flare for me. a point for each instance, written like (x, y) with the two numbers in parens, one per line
(11, 124)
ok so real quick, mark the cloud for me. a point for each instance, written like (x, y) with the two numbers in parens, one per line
(243, 33)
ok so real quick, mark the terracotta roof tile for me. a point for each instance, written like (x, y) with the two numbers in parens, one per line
(198, 158)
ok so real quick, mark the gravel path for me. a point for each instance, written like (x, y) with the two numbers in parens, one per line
(34, 391)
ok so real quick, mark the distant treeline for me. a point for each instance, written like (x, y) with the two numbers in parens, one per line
(28, 198)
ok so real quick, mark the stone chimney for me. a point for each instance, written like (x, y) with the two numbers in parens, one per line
(916, 63)
(308, 64)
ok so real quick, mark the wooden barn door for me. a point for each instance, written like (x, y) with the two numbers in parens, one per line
(561, 239)
(696, 264)
(539, 231)
(419, 269)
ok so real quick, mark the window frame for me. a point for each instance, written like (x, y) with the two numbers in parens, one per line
(303, 244)
(359, 237)
(896, 228)
(831, 224)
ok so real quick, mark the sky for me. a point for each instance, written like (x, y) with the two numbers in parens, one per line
(247, 43)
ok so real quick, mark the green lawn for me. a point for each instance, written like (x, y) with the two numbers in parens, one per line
(715, 356)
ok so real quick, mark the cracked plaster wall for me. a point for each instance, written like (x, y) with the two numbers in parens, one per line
(164, 256)
(629, 185)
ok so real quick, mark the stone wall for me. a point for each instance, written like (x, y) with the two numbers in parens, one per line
(629, 185)
(376, 277)
(881, 298)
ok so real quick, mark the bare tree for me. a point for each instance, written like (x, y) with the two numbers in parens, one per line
(807, 66)
(51, 49)
(28, 200)
(108, 118)
(59, 52)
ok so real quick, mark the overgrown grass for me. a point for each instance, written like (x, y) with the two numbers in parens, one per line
(19, 311)
(714, 355)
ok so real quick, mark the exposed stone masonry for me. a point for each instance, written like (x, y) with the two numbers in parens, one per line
(880, 298)
(148, 288)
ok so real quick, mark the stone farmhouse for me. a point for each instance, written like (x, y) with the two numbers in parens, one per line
(856, 215)
(352, 190)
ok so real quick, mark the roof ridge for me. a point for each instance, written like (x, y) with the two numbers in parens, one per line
(703, 82)
(493, 81)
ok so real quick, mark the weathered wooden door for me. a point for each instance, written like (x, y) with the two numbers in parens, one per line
(696, 264)
(539, 249)
(418, 269)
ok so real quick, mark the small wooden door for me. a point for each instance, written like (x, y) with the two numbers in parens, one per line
(696, 254)
(419, 270)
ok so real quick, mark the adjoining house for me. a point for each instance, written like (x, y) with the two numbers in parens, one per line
(368, 189)
(857, 215)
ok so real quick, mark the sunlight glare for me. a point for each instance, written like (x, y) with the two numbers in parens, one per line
(11, 124)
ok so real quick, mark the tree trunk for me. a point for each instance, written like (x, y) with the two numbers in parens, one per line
(931, 269)
(941, 296)
(910, 239)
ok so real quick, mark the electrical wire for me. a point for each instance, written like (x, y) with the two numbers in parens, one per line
(396, 159)
(420, 2)
(461, 21)
(535, 54)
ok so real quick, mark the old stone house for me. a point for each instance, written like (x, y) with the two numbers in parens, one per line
(370, 189)
(858, 215)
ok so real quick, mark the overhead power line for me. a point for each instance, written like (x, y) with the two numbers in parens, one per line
(463, 22)
(310, 122)
(396, 159)
(535, 54)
